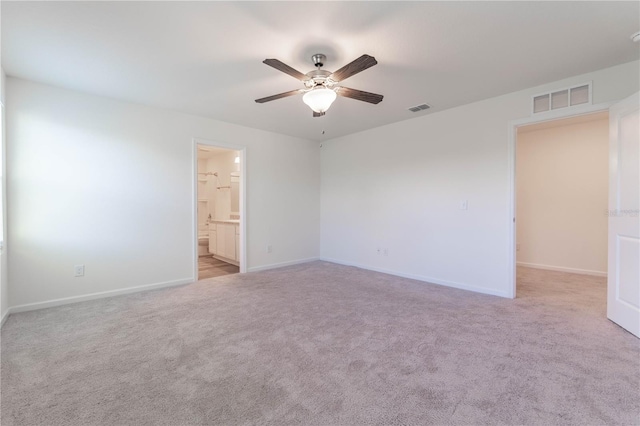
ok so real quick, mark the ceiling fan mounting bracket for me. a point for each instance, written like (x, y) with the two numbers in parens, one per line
(318, 60)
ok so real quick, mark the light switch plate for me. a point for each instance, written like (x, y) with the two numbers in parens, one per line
(79, 270)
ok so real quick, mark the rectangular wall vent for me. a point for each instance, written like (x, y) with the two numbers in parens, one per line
(419, 108)
(562, 98)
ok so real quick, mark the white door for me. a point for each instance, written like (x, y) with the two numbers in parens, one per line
(623, 287)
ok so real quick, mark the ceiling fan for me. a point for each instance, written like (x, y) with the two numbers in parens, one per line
(320, 86)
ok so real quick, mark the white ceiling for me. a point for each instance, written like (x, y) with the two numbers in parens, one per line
(205, 58)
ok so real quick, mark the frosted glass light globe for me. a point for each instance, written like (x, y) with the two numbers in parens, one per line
(319, 100)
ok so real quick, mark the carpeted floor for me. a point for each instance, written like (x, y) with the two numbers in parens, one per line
(325, 344)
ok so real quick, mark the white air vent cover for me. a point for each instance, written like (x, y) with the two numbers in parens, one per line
(419, 108)
(562, 98)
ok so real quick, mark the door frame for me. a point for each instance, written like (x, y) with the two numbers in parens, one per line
(242, 149)
(511, 152)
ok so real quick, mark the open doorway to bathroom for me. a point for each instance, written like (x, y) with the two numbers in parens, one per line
(219, 172)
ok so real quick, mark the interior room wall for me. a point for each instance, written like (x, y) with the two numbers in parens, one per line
(202, 165)
(399, 188)
(4, 278)
(223, 164)
(109, 184)
(562, 183)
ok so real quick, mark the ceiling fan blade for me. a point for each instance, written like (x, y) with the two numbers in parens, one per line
(318, 114)
(352, 68)
(278, 96)
(360, 95)
(281, 66)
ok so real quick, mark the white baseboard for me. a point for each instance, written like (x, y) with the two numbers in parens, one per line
(280, 265)
(92, 296)
(4, 317)
(563, 269)
(430, 280)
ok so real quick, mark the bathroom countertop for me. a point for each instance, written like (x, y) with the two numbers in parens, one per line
(234, 221)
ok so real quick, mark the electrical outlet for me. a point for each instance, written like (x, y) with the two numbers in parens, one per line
(464, 205)
(385, 252)
(79, 270)
(269, 248)
(518, 247)
(378, 251)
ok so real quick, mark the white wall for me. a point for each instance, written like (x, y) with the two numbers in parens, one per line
(400, 186)
(4, 277)
(223, 164)
(109, 184)
(562, 183)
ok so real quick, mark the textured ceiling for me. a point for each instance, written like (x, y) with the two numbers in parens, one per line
(205, 58)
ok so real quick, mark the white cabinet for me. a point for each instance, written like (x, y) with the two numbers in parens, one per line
(220, 240)
(230, 241)
(213, 246)
(224, 241)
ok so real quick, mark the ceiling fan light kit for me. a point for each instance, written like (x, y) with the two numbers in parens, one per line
(320, 86)
(319, 99)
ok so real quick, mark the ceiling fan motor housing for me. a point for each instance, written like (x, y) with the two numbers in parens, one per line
(317, 77)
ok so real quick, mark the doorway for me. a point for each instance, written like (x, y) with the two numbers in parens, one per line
(530, 251)
(562, 184)
(219, 207)
(623, 274)
(562, 194)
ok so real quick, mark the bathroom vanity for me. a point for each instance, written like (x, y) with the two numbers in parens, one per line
(224, 240)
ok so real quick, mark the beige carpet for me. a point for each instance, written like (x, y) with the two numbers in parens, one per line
(324, 344)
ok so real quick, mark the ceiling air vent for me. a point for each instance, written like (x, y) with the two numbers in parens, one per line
(562, 98)
(419, 108)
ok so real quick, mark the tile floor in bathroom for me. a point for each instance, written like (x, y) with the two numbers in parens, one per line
(208, 267)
